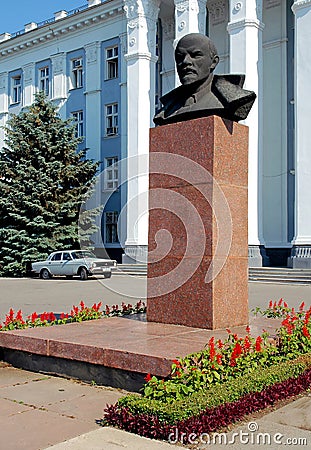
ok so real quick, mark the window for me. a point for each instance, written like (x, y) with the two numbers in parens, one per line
(44, 82)
(77, 73)
(111, 227)
(16, 89)
(111, 173)
(78, 118)
(56, 257)
(112, 62)
(112, 119)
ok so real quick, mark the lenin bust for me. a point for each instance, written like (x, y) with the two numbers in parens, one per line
(202, 93)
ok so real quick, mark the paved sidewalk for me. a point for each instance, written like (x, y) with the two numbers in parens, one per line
(40, 412)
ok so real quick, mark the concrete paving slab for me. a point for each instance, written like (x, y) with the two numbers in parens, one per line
(111, 439)
(11, 376)
(36, 429)
(297, 412)
(90, 407)
(8, 408)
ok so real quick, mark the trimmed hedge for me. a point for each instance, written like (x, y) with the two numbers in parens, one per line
(217, 395)
(211, 419)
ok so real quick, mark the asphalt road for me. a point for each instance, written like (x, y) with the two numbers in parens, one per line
(59, 294)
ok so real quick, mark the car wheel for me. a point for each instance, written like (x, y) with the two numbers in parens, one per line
(83, 274)
(45, 274)
(107, 275)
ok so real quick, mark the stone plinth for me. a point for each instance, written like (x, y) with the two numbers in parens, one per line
(198, 246)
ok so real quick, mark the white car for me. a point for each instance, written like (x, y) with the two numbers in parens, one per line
(73, 262)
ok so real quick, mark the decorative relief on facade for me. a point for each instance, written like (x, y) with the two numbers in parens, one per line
(168, 27)
(28, 71)
(91, 52)
(3, 80)
(238, 6)
(272, 3)
(58, 63)
(217, 11)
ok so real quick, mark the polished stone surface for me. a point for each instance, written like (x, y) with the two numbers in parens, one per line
(198, 223)
(119, 343)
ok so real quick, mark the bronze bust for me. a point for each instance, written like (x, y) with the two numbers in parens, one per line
(202, 93)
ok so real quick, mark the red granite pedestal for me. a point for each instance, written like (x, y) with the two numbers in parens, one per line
(198, 247)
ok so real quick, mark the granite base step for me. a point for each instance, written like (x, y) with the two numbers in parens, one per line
(115, 351)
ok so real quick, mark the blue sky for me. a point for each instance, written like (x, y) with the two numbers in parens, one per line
(16, 13)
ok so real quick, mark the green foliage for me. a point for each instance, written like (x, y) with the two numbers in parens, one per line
(236, 356)
(215, 395)
(43, 183)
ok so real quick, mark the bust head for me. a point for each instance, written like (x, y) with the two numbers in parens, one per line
(196, 58)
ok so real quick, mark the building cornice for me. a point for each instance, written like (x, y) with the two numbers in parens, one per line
(72, 24)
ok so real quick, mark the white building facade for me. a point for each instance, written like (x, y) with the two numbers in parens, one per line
(107, 63)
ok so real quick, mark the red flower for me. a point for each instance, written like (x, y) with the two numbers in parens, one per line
(301, 307)
(258, 344)
(305, 331)
(212, 351)
(246, 344)
(228, 330)
(33, 317)
(270, 304)
(148, 377)
(220, 343)
(219, 358)
(280, 302)
(285, 305)
(82, 305)
(176, 362)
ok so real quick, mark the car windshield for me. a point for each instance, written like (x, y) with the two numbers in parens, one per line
(82, 254)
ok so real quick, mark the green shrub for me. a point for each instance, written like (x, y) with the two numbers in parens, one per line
(217, 394)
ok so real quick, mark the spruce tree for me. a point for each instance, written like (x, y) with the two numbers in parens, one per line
(43, 182)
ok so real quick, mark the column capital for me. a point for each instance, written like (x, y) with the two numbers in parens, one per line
(134, 9)
(240, 24)
(300, 4)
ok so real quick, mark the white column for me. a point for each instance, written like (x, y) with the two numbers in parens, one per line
(92, 120)
(29, 84)
(190, 17)
(141, 59)
(301, 252)
(122, 221)
(59, 82)
(245, 30)
(4, 104)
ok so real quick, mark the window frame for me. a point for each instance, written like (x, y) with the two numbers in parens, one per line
(112, 119)
(112, 63)
(78, 117)
(76, 73)
(111, 184)
(44, 81)
(16, 90)
(113, 224)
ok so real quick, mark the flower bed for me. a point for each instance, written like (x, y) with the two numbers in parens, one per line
(79, 313)
(219, 385)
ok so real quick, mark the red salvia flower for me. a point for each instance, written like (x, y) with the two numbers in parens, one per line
(246, 344)
(247, 329)
(148, 377)
(301, 307)
(219, 358)
(212, 351)
(270, 304)
(280, 302)
(305, 331)
(258, 344)
(220, 343)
